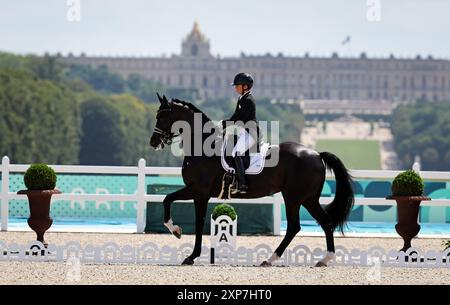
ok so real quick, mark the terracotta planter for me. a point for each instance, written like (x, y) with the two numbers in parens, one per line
(407, 217)
(39, 202)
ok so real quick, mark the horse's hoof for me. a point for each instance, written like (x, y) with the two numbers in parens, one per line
(321, 264)
(265, 264)
(188, 261)
(178, 231)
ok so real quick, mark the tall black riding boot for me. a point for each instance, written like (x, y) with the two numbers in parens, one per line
(241, 187)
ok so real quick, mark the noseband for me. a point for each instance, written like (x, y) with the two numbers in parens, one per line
(166, 137)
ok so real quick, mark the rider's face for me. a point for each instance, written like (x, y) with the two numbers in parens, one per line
(240, 89)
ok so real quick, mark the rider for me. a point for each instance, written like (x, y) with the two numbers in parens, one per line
(245, 111)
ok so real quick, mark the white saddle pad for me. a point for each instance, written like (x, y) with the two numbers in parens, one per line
(257, 160)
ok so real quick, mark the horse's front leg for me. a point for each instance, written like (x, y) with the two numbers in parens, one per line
(182, 194)
(201, 203)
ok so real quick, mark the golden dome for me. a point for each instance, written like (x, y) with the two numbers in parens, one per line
(196, 33)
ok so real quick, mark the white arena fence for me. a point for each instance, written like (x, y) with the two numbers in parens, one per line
(141, 197)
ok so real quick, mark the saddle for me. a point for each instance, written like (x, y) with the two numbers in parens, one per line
(253, 161)
(253, 164)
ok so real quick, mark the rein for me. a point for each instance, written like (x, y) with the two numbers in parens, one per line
(167, 137)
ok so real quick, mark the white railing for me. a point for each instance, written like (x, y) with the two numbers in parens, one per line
(141, 196)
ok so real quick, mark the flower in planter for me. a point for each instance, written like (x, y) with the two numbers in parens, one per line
(408, 183)
(224, 209)
(40, 177)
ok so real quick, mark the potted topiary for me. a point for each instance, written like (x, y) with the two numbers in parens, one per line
(224, 209)
(40, 181)
(407, 190)
(223, 229)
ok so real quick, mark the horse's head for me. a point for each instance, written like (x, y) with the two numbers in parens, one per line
(162, 134)
(174, 115)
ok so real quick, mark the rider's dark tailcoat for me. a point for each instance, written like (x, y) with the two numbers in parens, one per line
(246, 111)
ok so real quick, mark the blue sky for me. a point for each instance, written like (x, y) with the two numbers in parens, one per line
(293, 27)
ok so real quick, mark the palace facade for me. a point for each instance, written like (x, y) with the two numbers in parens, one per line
(282, 77)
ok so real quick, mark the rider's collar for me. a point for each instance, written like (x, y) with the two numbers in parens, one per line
(246, 93)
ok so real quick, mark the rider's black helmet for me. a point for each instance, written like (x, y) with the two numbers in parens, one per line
(243, 79)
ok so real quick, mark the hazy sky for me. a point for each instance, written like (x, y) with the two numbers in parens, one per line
(154, 27)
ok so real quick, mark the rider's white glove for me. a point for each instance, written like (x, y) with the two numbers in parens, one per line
(222, 124)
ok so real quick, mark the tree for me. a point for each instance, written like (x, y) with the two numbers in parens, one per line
(45, 67)
(430, 157)
(423, 129)
(37, 116)
(102, 139)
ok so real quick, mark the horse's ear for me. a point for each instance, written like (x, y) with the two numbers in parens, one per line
(159, 97)
(165, 99)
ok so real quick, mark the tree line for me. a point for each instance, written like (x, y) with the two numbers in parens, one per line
(423, 130)
(72, 114)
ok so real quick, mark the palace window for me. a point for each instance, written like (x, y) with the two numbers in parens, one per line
(194, 50)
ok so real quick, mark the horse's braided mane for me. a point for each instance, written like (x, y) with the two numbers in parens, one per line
(191, 107)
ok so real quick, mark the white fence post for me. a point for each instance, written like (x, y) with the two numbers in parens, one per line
(141, 192)
(277, 199)
(416, 167)
(4, 196)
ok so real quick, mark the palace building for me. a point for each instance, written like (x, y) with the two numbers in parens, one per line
(281, 77)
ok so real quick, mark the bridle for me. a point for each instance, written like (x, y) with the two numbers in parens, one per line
(166, 137)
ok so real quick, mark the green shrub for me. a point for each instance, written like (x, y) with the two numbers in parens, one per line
(407, 183)
(40, 177)
(224, 209)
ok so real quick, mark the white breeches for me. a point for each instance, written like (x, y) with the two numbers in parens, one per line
(244, 142)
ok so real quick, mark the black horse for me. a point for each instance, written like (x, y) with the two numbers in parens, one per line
(299, 175)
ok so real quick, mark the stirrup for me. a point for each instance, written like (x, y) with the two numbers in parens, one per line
(241, 189)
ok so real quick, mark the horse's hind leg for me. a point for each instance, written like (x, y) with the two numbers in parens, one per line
(318, 213)
(293, 227)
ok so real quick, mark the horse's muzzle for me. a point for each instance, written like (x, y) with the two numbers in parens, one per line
(156, 143)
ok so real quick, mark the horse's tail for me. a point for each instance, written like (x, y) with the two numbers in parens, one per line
(339, 209)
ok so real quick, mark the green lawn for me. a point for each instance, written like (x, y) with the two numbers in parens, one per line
(355, 154)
